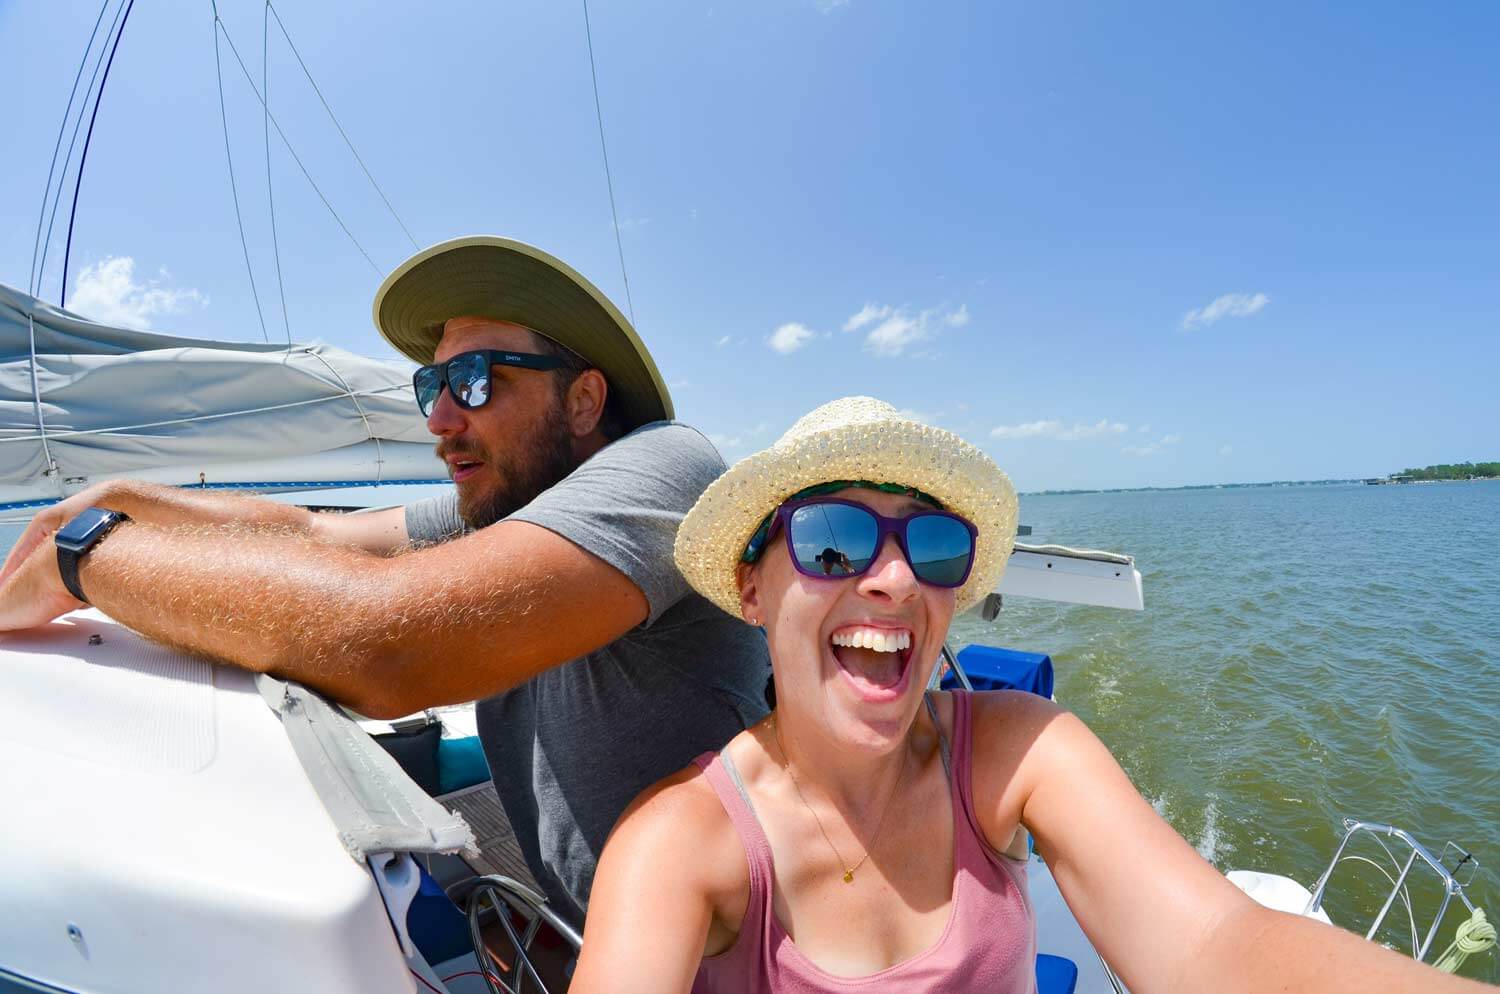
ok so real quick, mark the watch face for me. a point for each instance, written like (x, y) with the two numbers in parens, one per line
(82, 531)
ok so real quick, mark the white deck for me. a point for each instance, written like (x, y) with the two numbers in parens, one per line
(154, 805)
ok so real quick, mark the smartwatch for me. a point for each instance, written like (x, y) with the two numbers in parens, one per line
(76, 538)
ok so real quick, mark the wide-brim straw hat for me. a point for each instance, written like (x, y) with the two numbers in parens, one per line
(506, 280)
(856, 438)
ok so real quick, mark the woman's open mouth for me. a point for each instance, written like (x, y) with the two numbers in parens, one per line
(876, 661)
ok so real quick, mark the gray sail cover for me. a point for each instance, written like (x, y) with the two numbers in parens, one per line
(99, 401)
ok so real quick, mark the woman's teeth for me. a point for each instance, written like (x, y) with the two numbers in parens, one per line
(873, 638)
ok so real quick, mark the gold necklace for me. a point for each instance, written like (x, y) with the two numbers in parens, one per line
(786, 764)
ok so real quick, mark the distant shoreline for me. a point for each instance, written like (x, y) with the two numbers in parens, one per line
(1232, 486)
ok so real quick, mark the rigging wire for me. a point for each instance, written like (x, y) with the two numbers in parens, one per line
(73, 141)
(265, 128)
(37, 246)
(33, 280)
(306, 72)
(221, 27)
(234, 189)
(83, 157)
(608, 180)
(360, 408)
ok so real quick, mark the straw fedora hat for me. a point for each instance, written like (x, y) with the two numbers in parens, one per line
(499, 278)
(856, 438)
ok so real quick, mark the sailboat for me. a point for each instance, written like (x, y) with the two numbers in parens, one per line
(174, 825)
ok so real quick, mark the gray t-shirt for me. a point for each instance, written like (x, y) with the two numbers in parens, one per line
(569, 749)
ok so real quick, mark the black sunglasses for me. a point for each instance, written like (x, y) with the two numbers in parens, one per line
(467, 376)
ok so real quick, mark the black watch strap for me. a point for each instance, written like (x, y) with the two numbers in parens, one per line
(67, 565)
(76, 538)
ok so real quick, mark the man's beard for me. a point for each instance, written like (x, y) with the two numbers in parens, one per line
(544, 457)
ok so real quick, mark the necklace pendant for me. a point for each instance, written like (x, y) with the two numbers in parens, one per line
(848, 876)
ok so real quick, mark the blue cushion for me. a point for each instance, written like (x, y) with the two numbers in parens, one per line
(1055, 975)
(438, 929)
(460, 764)
(992, 668)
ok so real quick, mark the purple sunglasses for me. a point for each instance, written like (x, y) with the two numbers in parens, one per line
(831, 538)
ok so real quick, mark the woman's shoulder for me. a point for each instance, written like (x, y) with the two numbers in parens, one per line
(680, 820)
(676, 846)
(680, 803)
(1016, 724)
(990, 706)
(1011, 740)
(996, 714)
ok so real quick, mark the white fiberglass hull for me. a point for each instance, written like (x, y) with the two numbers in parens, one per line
(161, 834)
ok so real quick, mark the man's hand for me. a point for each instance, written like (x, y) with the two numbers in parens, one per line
(47, 521)
(32, 592)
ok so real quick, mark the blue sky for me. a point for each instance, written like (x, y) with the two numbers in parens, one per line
(1113, 245)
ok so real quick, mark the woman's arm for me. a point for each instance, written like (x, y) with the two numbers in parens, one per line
(672, 859)
(1162, 917)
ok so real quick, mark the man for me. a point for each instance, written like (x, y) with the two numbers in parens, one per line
(543, 586)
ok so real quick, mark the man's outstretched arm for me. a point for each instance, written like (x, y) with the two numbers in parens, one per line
(380, 532)
(386, 636)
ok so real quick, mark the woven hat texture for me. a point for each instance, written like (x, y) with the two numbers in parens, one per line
(855, 438)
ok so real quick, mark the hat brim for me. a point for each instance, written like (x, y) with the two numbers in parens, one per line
(507, 280)
(713, 536)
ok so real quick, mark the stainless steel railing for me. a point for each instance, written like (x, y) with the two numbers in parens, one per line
(1452, 886)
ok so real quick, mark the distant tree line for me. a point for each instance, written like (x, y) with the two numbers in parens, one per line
(1453, 471)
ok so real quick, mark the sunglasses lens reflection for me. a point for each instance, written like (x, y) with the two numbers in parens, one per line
(469, 378)
(427, 383)
(833, 539)
(941, 549)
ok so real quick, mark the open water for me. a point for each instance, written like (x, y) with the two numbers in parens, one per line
(1306, 653)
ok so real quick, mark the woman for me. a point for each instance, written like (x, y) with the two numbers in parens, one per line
(849, 841)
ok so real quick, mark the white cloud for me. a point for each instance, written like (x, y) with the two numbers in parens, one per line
(1225, 450)
(896, 329)
(868, 314)
(829, 6)
(1027, 430)
(723, 442)
(1060, 431)
(1151, 448)
(790, 337)
(1101, 427)
(1231, 305)
(1144, 429)
(107, 291)
(723, 341)
(891, 336)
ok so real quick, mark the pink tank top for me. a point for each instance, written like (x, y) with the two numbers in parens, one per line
(988, 945)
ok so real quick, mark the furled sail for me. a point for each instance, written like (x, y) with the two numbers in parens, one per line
(99, 401)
